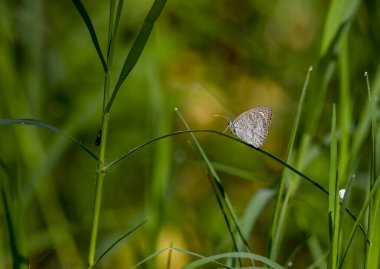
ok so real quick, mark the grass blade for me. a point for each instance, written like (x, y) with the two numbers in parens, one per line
(340, 12)
(222, 198)
(13, 212)
(240, 255)
(273, 157)
(49, 127)
(118, 241)
(363, 210)
(255, 206)
(334, 214)
(137, 47)
(281, 203)
(86, 18)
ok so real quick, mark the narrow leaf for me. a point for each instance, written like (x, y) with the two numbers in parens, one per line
(86, 18)
(137, 47)
(118, 241)
(49, 127)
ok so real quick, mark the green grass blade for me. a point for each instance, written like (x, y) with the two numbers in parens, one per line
(282, 204)
(340, 12)
(372, 258)
(365, 118)
(183, 251)
(240, 173)
(275, 158)
(255, 206)
(372, 194)
(317, 252)
(114, 23)
(86, 18)
(334, 213)
(374, 234)
(230, 255)
(118, 241)
(10, 192)
(137, 47)
(49, 127)
(298, 116)
(222, 197)
(344, 109)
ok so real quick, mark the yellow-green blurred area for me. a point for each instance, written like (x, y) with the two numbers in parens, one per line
(206, 58)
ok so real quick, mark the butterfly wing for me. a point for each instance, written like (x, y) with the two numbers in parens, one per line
(252, 126)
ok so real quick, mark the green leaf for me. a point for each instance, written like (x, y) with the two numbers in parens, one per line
(83, 12)
(137, 47)
(240, 255)
(340, 12)
(49, 127)
(118, 241)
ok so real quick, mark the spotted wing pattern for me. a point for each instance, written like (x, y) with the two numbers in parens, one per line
(252, 126)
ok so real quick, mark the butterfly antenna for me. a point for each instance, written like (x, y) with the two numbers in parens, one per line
(222, 117)
(225, 118)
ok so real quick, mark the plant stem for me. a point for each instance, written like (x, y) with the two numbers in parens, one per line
(98, 192)
(101, 173)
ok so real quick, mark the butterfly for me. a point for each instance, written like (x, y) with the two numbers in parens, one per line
(252, 126)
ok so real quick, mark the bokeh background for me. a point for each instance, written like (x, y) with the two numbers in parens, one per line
(203, 57)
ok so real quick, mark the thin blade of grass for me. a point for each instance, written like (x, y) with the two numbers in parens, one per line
(183, 251)
(271, 156)
(230, 255)
(344, 109)
(373, 218)
(364, 122)
(361, 214)
(275, 158)
(118, 241)
(281, 204)
(334, 216)
(255, 206)
(13, 212)
(137, 47)
(86, 18)
(372, 257)
(339, 13)
(240, 173)
(49, 127)
(317, 252)
(113, 25)
(221, 195)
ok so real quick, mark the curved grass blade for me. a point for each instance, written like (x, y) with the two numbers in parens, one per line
(362, 212)
(225, 205)
(183, 251)
(86, 18)
(137, 47)
(334, 216)
(253, 209)
(13, 206)
(339, 13)
(317, 185)
(117, 241)
(282, 202)
(49, 127)
(275, 158)
(240, 255)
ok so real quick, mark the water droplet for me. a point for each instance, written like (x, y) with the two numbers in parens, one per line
(342, 193)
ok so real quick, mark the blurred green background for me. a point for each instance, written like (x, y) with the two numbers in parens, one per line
(204, 57)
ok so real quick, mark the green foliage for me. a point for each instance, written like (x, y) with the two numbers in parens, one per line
(205, 197)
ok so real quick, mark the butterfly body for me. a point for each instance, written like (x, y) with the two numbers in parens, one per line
(252, 126)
